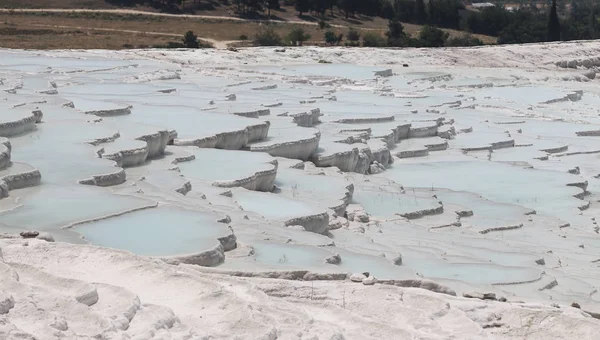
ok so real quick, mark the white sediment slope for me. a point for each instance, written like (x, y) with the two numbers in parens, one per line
(182, 195)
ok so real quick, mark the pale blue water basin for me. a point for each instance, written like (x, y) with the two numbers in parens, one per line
(381, 203)
(45, 63)
(349, 71)
(188, 122)
(50, 207)
(298, 256)
(477, 273)
(309, 257)
(116, 90)
(486, 213)
(545, 191)
(272, 206)
(523, 94)
(221, 165)
(323, 186)
(157, 232)
(61, 162)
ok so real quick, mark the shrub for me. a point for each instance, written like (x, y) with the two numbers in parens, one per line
(395, 34)
(331, 38)
(174, 44)
(431, 36)
(297, 36)
(353, 35)
(464, 40)
(267, 37)
(243, 37)
(373, 40)
(323, 24)
(190, 40)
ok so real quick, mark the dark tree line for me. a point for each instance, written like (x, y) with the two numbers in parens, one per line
(527, 24)
(442, 13)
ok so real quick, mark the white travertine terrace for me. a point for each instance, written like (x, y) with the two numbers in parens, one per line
(191, 196)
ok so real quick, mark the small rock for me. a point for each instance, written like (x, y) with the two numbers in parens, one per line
(7, 302)
(404, 65)
(502, 299)
(489, 296)
(369, 281)
(29, 234)
(280, 50)
(473, 295)
(575, 305)
(225, 219)
(464, 213)
(337, 223)
(357, 277)
(334, 259)
(246, 217)
(555, 305)
(59, 324)
(581, 246)
(227, 193)
(480, 296)
(397, 260)
(541, 261)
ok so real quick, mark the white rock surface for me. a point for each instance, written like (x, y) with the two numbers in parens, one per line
(463, 163)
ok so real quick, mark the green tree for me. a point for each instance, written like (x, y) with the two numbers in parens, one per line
(271, 4)
(302, 6)
(353, 35)
(395, 35)
(331, 38)
(387, 10)
(420, 14)
(348, 6)
(319, 6)
(297, 36)
(431, 12)
(372, 39)
(431, 36)
(331, 4)
(190, 40)
(593, 25)
(553, 24)
(267, 37)
(464, 40)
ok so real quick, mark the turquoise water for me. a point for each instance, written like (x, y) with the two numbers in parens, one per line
(156, 232)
